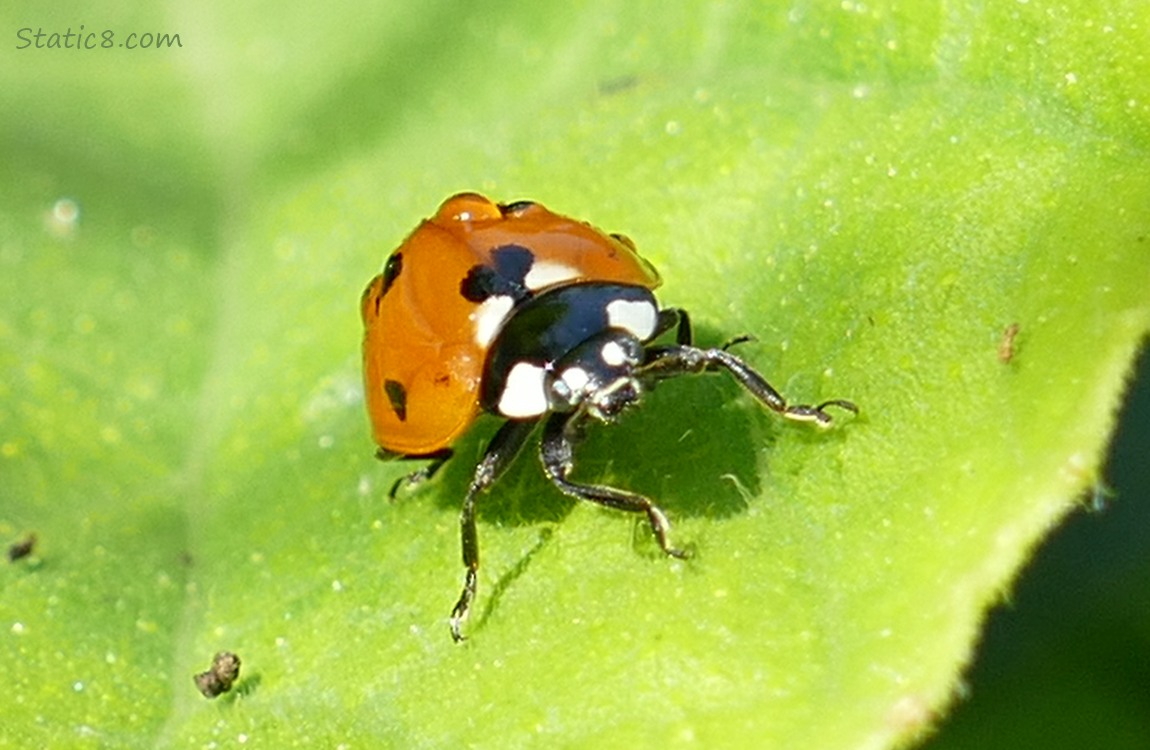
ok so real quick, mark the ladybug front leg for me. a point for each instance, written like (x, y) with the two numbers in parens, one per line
(556, 451)
(665, 362)
(501, 451)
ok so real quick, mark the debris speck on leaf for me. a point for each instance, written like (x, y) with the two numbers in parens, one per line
(22, 549)
(219, 678)
(1006, 346)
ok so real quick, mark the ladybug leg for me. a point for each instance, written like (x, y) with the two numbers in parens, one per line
(677, 318)
(742, 338)
(560, 434)
(501, 451)
(670, 361)
(419, 476)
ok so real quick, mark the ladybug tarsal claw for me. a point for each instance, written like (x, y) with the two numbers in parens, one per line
(462, 607)
(744, 338)
(413, 479)
(662, 527)
(841, 403)
(804, 413)
(458, 615)
(816, 414)
(408, 482)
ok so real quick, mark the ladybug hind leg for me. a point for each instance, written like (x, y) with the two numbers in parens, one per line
(419, 476)
(560, 435)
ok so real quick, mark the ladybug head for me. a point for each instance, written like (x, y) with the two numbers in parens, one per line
(598, 375)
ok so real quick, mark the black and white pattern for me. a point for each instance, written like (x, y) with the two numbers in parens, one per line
(554, 350)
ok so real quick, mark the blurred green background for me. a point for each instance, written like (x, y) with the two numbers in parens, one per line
(246, 166)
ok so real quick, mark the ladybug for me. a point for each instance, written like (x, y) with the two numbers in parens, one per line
(539, 319)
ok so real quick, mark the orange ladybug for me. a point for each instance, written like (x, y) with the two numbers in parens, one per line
(534, 317)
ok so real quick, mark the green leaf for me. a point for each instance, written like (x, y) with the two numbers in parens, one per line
(876, 193)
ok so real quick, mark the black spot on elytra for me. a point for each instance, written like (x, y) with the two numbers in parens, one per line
(516, 207)
(391, 271)
(397, 395)
(505, 277)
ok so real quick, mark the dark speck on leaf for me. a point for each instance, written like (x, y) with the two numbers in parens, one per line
(219, 678)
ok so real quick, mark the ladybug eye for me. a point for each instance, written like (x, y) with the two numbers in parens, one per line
(467, 207)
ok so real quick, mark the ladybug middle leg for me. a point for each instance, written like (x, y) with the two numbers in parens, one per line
(501, 451)
(677, 318)
(556, 450)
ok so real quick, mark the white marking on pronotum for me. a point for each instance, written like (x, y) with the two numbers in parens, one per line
(545, 273)
(489, 317)
(523, 394)
(637, 317)
(613, 354)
